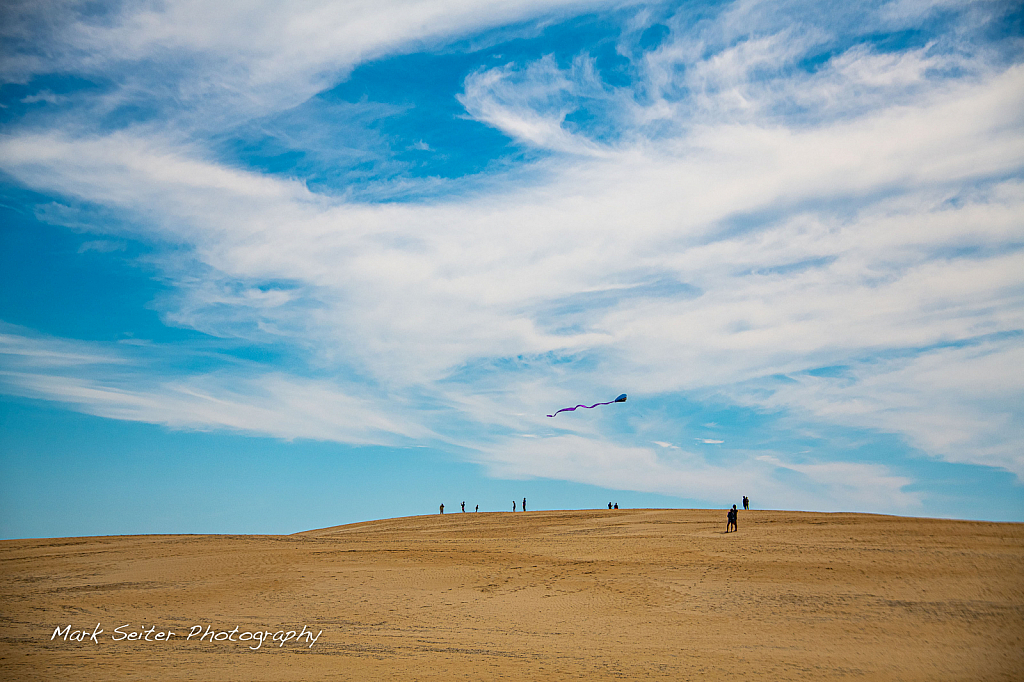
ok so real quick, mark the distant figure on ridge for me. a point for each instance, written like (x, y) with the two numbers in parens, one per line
(616, 505)
(524, 504)
(442, 507)
(513, 505)
(478, 507)
(746, 502)
(463, 506)
(609, 505)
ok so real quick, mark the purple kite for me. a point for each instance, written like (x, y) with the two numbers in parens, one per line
(620, 399)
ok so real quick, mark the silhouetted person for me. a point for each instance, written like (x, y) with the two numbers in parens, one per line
(730, 519)
(524, 504)
(463, 506)
(609, 505)
(746, 502)
(616, 505)
(442, 508)
(513, 505)
(478, 507)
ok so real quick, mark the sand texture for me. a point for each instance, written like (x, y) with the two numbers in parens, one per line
(547, 595)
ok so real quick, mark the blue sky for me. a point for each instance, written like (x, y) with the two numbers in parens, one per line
(269, 267)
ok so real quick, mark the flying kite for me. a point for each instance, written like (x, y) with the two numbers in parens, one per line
(620, 399)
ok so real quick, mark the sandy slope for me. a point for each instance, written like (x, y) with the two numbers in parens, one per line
(639, 594)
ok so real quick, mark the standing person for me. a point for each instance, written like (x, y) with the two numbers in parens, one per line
(616, 505)
(524, 504)
(746, 502)
(730, 519)
(442, 507)
(513, 505)
(463, 506)
(609, 505)
(478, 507)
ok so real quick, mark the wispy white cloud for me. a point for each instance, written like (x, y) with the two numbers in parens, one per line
(961, 401)
(852, 483)
(822, 486)
(43, 96)
(23, 350)
(530, 104)
(102, 246)
(237, 59)
(136, 383)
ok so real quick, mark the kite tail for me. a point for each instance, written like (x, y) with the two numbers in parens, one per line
(589, 407)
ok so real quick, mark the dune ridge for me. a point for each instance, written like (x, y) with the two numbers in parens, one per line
(542, 595)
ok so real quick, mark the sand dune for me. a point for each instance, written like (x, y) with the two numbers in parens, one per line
(549, 595)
